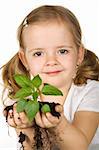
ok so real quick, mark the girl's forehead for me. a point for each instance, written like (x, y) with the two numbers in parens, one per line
(49, 34)
(46, 26)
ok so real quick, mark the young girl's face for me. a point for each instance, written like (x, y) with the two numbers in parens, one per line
(50, 52)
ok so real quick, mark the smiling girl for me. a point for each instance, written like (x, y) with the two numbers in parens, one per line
(50, 44)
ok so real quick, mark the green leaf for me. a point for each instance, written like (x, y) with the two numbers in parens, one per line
(21, 105)
(23, 92)
(51, 90)
(23, 80)
(46, 108)
(37, 81)
(35, 95)
(31, 109)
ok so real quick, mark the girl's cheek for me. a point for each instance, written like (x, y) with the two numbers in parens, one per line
(36, 68)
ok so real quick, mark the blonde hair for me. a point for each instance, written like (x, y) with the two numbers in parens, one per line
(89, 69)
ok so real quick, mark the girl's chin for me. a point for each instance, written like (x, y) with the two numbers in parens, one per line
(57, 81)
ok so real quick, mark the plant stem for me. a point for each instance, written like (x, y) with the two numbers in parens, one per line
(40, 94)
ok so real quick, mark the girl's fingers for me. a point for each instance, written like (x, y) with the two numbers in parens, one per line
(46, 122)
(17, 120)
(16, 116)
(5, 113)
(38, 120)
(52, 119)
(10, 119)
(20, 119)
(25, 120)
(59, 108)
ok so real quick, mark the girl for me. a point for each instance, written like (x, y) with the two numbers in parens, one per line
(50, 44)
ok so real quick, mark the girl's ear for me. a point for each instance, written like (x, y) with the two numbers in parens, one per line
(22, 57)
(80, 55)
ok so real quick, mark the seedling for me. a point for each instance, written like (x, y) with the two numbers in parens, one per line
(30, 90)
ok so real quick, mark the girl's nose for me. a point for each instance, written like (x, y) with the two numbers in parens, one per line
(51, 60)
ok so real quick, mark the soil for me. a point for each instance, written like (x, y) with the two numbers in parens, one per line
(44, 140)
(52, 106)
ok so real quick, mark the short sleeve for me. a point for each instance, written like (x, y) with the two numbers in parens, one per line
(90, 101)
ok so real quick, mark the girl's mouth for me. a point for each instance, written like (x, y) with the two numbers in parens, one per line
(53, 72)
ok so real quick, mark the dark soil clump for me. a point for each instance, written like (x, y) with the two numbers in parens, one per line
(52, 106)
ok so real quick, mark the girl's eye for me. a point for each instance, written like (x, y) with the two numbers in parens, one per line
(63, 51)
(37, 54)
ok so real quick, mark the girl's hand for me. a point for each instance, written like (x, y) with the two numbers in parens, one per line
(20, 120)
(17, 120)
(47, 120)
(21, 124)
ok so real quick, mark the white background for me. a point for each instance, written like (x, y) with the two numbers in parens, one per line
(12, 12)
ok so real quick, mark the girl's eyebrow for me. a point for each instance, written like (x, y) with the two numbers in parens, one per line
(61, 46)
(35, 49)
(67, 46)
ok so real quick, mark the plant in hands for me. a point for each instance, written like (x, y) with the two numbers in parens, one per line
(27, 96)
(27, 101)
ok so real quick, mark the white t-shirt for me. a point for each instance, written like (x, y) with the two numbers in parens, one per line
(83, 98)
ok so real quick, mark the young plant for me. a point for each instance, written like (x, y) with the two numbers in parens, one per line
(27, 95)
